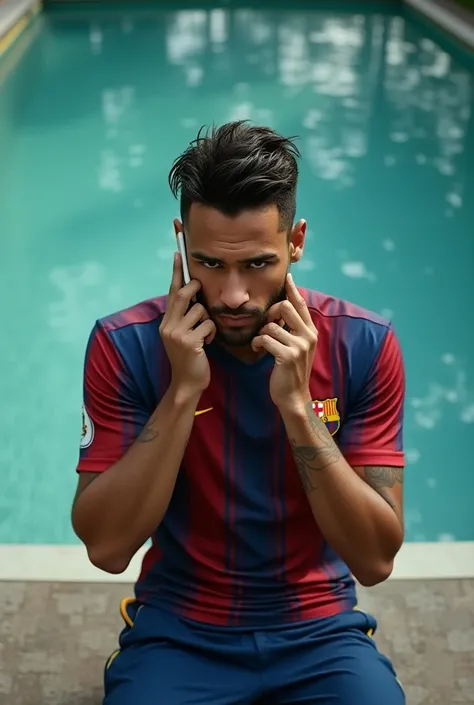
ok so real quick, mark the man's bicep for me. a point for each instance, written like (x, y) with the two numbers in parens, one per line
(387, 481)
(112, 415)
(85, 479)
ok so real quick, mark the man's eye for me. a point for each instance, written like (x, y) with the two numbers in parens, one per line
(259, 264)
(210, 265)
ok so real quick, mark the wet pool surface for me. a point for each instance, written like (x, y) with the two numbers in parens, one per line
(92, 117)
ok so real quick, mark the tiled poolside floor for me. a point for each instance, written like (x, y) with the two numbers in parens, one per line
(54, 639)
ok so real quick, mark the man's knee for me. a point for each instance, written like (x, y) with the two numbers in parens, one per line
(374, 681)
(346, 668)
(126, 681)
(154, 672)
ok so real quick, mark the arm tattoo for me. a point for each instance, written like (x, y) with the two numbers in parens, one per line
(314, 458)
(304, 458)
(148, 434)
(381, 478)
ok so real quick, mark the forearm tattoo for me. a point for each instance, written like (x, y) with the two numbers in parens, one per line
(383, 478)
(314, 458)
(148, 434)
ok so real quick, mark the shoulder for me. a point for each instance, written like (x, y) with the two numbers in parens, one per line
(129, 336)
(345, 322)
(143, 313)
(325, 306)
(352, 340)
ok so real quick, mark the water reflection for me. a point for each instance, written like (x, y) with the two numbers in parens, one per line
(186, 37)
(218, 29)
(357, 270)
(352, 64)
(128, 25)
(431, 408)
(96, 39)
(80, 293)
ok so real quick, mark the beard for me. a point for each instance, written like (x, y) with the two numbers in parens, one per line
(235, 337)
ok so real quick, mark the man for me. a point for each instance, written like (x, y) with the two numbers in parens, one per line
(253, 430)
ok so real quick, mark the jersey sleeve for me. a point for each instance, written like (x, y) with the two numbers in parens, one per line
(112, 413)
(372, 432)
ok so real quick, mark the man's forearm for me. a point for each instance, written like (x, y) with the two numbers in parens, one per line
(120, 510)
(353, 518)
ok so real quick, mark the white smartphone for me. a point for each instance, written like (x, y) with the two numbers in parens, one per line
(184, 257)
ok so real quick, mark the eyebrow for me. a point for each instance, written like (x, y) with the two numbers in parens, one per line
(263, 257)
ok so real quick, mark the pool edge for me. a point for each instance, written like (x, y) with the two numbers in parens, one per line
(49, 563)
(14, 24)
(446, 19)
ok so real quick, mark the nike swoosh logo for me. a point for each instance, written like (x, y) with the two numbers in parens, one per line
(203, 411)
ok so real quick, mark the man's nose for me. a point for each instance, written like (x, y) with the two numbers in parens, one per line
(234, 292)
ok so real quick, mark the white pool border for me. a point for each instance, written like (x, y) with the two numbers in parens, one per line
(12, 11)
(40, 563)
(447, 20)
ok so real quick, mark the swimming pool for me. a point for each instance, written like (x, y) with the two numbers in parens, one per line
(91, 118)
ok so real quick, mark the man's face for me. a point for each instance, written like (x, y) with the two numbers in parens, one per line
(241, 263)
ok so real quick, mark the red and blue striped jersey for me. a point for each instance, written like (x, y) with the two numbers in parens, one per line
(239, 545)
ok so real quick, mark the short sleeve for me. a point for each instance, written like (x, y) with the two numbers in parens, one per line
(372, 430)
(112, 413)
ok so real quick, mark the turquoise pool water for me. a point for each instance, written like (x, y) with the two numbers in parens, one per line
(91, 118)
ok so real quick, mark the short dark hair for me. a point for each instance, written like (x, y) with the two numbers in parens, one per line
(236, 167)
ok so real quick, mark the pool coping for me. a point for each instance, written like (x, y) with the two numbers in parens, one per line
(459, 22)
(15, 16)
(454, 20)
(46, 563)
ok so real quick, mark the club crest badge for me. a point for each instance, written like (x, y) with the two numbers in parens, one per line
(328, 412)
(87, 433)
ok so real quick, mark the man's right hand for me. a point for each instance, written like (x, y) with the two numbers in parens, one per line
(184, 331)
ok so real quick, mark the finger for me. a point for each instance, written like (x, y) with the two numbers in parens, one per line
(195, 314)
(274, 313)
(292, 318)
(179, 305)
(201, 333)
(176, 283)
(274, 347)
(284, 336)
(211, 336)
(177, 278)
(298, 301)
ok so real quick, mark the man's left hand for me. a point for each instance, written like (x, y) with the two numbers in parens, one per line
(292, 349)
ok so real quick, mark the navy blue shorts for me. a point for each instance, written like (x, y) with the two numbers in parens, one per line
(166, 660)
